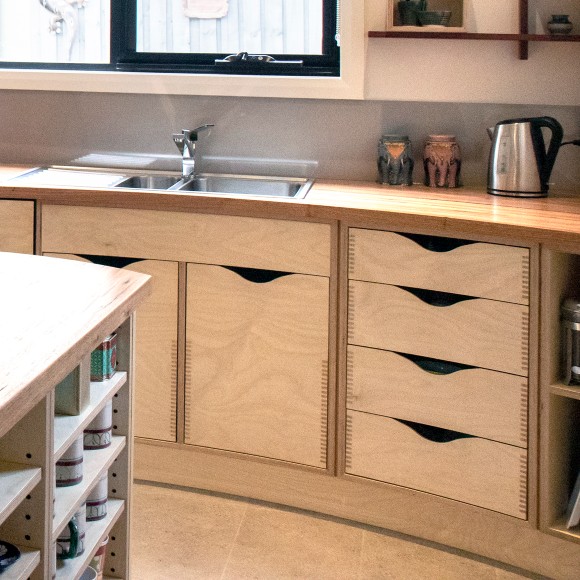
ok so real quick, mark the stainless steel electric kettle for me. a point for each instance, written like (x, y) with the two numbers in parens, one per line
(519, 162)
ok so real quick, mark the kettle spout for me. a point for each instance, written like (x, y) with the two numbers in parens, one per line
(490, 131)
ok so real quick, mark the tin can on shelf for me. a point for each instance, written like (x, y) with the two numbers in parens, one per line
(104, 359)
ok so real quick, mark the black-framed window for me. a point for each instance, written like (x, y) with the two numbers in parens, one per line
(261, 37)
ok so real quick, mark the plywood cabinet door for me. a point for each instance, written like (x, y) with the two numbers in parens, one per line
(16, 226)
(257, 358)
(156, 348)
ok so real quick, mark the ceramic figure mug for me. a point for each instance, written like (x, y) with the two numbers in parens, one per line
(99, 432)
(97, 500)
(442, 160)
(395, 160)
(69, 468)
(71, 541)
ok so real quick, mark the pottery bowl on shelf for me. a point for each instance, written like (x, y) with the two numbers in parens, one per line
(440, 17)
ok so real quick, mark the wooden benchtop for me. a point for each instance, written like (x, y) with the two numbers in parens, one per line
(554, 220)
(52, 312)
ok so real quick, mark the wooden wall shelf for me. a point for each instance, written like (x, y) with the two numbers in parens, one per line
(523, 37)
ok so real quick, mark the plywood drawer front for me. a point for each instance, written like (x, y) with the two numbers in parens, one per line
(478, 332)
(257, 363)
(472, 470)
(471, 400)
(475, 269)
(210, 239)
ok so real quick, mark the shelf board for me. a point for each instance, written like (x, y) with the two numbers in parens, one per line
(94, 535)
(68, 427)
(24, 566)
(474, 36)
(562, 390)
(68, 499)
(16, 481)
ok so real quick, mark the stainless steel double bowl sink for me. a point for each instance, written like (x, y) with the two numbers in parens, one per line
(211, 183)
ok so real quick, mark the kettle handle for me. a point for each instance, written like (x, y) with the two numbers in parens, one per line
(553, 147)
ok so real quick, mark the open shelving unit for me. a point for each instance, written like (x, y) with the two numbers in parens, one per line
(560, 403)
(48, 338)
(523, 37)
(33, 512)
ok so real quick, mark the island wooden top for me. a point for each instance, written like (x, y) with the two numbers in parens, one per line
(52, 313)
(554, 220)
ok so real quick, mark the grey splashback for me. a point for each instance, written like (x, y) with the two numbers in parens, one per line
(324, 139)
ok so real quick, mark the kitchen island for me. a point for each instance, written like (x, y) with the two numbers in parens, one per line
(53, 314)
(388, 355)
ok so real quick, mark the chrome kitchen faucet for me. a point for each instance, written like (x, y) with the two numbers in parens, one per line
(186, 143)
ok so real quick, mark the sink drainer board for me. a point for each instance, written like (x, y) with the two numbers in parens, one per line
(65, 177)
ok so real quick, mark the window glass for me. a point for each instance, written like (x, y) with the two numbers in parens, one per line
(55, 31)
(172, 35)
(230, 26)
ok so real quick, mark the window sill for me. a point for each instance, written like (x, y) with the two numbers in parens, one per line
(182, 84)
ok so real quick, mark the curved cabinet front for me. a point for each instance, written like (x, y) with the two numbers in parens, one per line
(256, 363)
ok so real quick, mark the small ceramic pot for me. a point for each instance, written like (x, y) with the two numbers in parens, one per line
(442, 160)
(560, 24)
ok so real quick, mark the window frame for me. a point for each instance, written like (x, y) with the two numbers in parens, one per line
(129, 59)
(349, 85)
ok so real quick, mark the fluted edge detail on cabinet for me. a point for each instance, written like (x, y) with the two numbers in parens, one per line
(350, 322)
(348, 446)
(523, 503)
(524, 414)
(351, 252)
(349, 378)
(324, 414)
(173, 403)
(188, 391)
(525, 341)
(526, 279)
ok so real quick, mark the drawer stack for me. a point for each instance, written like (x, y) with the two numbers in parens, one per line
(437, 367)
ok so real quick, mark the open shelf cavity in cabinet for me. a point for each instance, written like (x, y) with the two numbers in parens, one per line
(67, 499)
(523, 37)
(95, 534)
(68, 427)
(560, 403)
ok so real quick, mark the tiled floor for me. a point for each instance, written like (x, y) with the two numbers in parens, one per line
(181, 534)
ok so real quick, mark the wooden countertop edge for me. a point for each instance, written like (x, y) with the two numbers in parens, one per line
(13, 406)
(554, 220)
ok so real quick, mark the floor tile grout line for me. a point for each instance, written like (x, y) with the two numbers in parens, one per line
(226, 563)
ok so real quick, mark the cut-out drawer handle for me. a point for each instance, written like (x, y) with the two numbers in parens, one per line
(436, 243)
(113, 261)
(435, 434)
(257, 275)
(436, 298)
(435, 366)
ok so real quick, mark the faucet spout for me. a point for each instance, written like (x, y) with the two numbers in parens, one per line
(186, 143)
